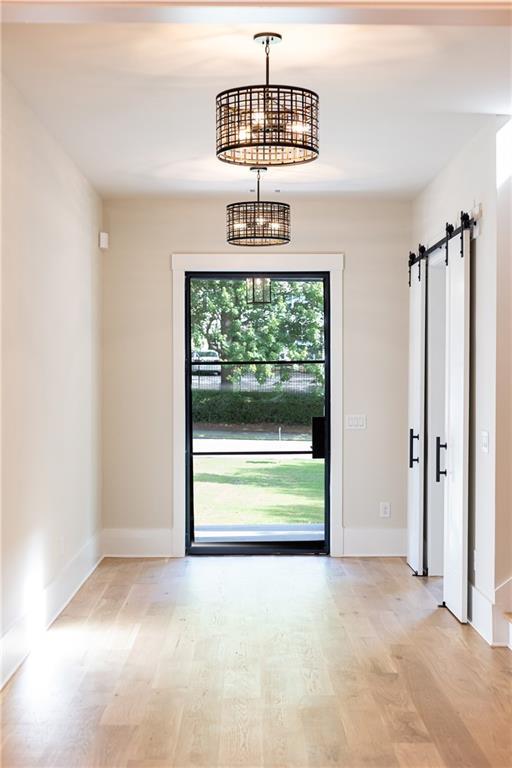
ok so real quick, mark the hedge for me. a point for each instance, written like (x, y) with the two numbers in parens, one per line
(256, 407)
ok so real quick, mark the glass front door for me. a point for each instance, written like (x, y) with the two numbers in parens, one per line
(257, 412)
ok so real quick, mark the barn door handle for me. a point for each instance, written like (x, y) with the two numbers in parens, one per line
(412, 458)
(318, 437)
(439, 471)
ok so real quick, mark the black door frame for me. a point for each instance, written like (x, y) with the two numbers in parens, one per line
(256, 548)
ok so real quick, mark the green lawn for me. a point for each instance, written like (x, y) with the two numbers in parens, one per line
(242, 490)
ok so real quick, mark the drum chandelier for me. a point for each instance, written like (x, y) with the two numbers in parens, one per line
(267, 124)
(258, 222)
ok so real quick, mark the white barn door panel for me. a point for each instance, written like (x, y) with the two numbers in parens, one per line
(416, 417)
(456, 454)
(435, 394)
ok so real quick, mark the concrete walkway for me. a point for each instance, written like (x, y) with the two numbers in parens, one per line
(215, 445)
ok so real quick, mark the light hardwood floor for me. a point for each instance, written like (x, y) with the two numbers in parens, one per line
(259, 661)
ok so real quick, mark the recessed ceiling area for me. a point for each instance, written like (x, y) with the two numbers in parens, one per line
(134, 104)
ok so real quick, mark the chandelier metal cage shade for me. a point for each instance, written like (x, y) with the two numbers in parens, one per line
(258, 222)
(267, 124)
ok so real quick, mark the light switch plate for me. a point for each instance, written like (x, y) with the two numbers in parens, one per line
(355, 421)
(484, 441)
(103, 241)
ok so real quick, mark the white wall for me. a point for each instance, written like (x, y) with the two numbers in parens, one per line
(50, 511)
(136, 347)
(468, 182)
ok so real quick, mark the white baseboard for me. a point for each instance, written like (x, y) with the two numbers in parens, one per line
(503, 604)
(24, 634)
(374, 542)
(480, 613)
(158, 542)
(138, 542)
(488, 617)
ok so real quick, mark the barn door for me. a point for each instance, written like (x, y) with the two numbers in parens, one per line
(456, 441)
(416, 436)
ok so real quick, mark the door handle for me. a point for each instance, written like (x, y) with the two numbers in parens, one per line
(318, 437)
(439, 471)
(412, 458)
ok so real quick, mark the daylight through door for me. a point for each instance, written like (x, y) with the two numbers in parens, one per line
(257, 412)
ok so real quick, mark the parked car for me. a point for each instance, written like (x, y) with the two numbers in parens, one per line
(209, 356)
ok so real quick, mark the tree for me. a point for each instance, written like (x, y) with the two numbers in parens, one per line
(291, 327)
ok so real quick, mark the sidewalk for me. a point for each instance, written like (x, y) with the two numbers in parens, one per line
(218, 445)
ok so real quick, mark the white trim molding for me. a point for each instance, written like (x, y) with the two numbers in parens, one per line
(480, 613)
(23, 636)
(137, 542)
(332, 263)
(252, 262)
(375, 542)
(488, 616)
(411, 12)
(502, 605)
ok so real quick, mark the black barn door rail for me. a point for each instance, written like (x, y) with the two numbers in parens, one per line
(466, 222)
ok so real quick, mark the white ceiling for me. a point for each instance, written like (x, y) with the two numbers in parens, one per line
(134, 104)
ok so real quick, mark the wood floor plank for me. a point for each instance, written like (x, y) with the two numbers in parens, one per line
(419, 755)
(270, 662)
(448, 732)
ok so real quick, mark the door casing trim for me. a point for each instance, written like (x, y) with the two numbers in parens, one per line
(180, 263)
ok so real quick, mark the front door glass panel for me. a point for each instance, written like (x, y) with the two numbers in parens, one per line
(256, 377)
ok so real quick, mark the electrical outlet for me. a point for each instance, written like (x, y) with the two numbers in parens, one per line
(385, 509)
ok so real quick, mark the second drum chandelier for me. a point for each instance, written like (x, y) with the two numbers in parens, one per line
(258, 222)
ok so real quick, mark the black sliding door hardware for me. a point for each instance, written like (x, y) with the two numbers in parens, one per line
(412, 458)
(439, 471)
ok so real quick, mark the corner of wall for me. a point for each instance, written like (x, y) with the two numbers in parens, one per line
(24, 635)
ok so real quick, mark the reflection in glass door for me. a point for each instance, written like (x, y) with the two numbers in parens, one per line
(257, 380)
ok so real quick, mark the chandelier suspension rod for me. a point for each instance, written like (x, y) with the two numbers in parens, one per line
(258, 185)
(267, 61)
